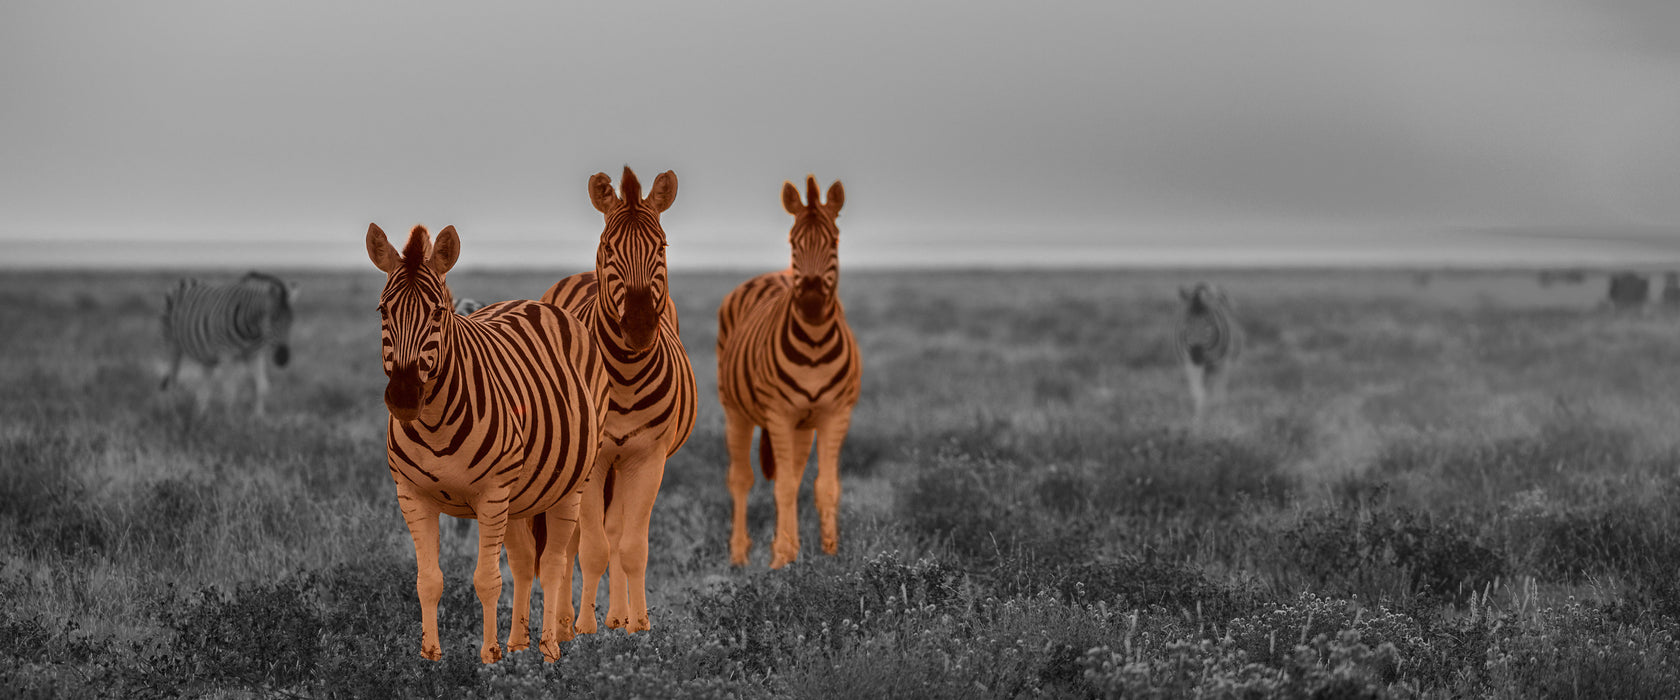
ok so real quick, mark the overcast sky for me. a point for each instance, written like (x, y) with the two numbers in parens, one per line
(1022, 128)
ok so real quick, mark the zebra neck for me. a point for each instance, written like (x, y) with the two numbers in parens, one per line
(831, 314)
(435, 395)
(609, 337)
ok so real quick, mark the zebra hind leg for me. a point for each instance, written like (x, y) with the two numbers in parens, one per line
(174, 369)
(259, 383)
(206, 388)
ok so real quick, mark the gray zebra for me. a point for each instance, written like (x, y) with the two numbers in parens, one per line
(465, 306)
(216, 323)
(1210, 342)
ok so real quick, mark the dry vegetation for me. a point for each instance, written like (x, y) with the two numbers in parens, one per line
(1459, 486)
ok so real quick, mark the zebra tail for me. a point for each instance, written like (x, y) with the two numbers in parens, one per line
(766, 456)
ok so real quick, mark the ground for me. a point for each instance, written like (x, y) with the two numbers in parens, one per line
(1435, 485)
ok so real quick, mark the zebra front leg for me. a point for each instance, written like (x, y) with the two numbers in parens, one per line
(521, 545)
(634, 493)
(421, 515)
(487, 577)
(785, 547)
(592, 547)
(1198, 393)
(829, 439)
(738, 430)
(556, 573)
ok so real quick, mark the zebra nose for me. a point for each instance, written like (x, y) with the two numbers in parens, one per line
(810, 285)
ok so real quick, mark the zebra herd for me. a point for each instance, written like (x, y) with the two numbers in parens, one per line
(550, 421)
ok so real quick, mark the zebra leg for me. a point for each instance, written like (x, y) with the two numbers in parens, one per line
(738, 430)
(556, 575)
(259, 377)
(1218, 376)
(1198, 393)
(174, 369)
(785, 547)
(421, 515)
(592, 547)
(206, 388)
(521, 546)
(632, 507)
(487, 577)
(829, 439)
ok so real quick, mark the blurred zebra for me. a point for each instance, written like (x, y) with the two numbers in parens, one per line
(1210, 342)
(1628, 291)
(237, 322)
(465, 307)
(788, 363)
(492, 417)
(625, 301)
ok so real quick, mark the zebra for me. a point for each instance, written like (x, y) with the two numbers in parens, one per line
(1210, 342)
(1628, 291)
(465, 307)
(238, 322)
(492, 417)
(788, 364)
(650, 411)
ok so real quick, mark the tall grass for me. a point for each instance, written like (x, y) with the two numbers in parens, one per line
(1412, 492)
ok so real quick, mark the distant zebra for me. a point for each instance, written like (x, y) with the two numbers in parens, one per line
(492, 417)
(465, 307)
(625, 302)
(1628, 291)
(788, 363)
(1671, 289)
(237, 322)
(1210, 342)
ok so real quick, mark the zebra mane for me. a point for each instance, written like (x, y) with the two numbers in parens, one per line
(813, 194)
(631, 187)
(279, 287)
(414, 252)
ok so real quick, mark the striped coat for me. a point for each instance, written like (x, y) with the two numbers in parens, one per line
(218, 323)
(1210, 342)
(651, 394)
(493, 417)
(788, 363)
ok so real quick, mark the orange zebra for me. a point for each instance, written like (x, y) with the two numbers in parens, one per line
(493, 417)
(651, 397)
(787, 363)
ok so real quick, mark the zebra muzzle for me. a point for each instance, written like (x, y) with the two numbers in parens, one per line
(402, 397)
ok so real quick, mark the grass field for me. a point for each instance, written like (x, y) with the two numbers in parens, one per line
(1459, 484)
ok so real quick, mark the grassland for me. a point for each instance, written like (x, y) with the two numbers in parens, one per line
(1453, 485)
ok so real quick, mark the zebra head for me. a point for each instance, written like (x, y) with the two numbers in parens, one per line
(412, 311)
(1203, 297)
(630, 261)
(816, 246)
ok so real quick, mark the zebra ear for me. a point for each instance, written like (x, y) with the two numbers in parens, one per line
(663, 192)
(601, 193)
(790, 199)
(380, 251)
(292, 292)
(445, 251)
(836, 198)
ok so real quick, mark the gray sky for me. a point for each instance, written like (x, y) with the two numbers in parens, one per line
(1018, 131)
